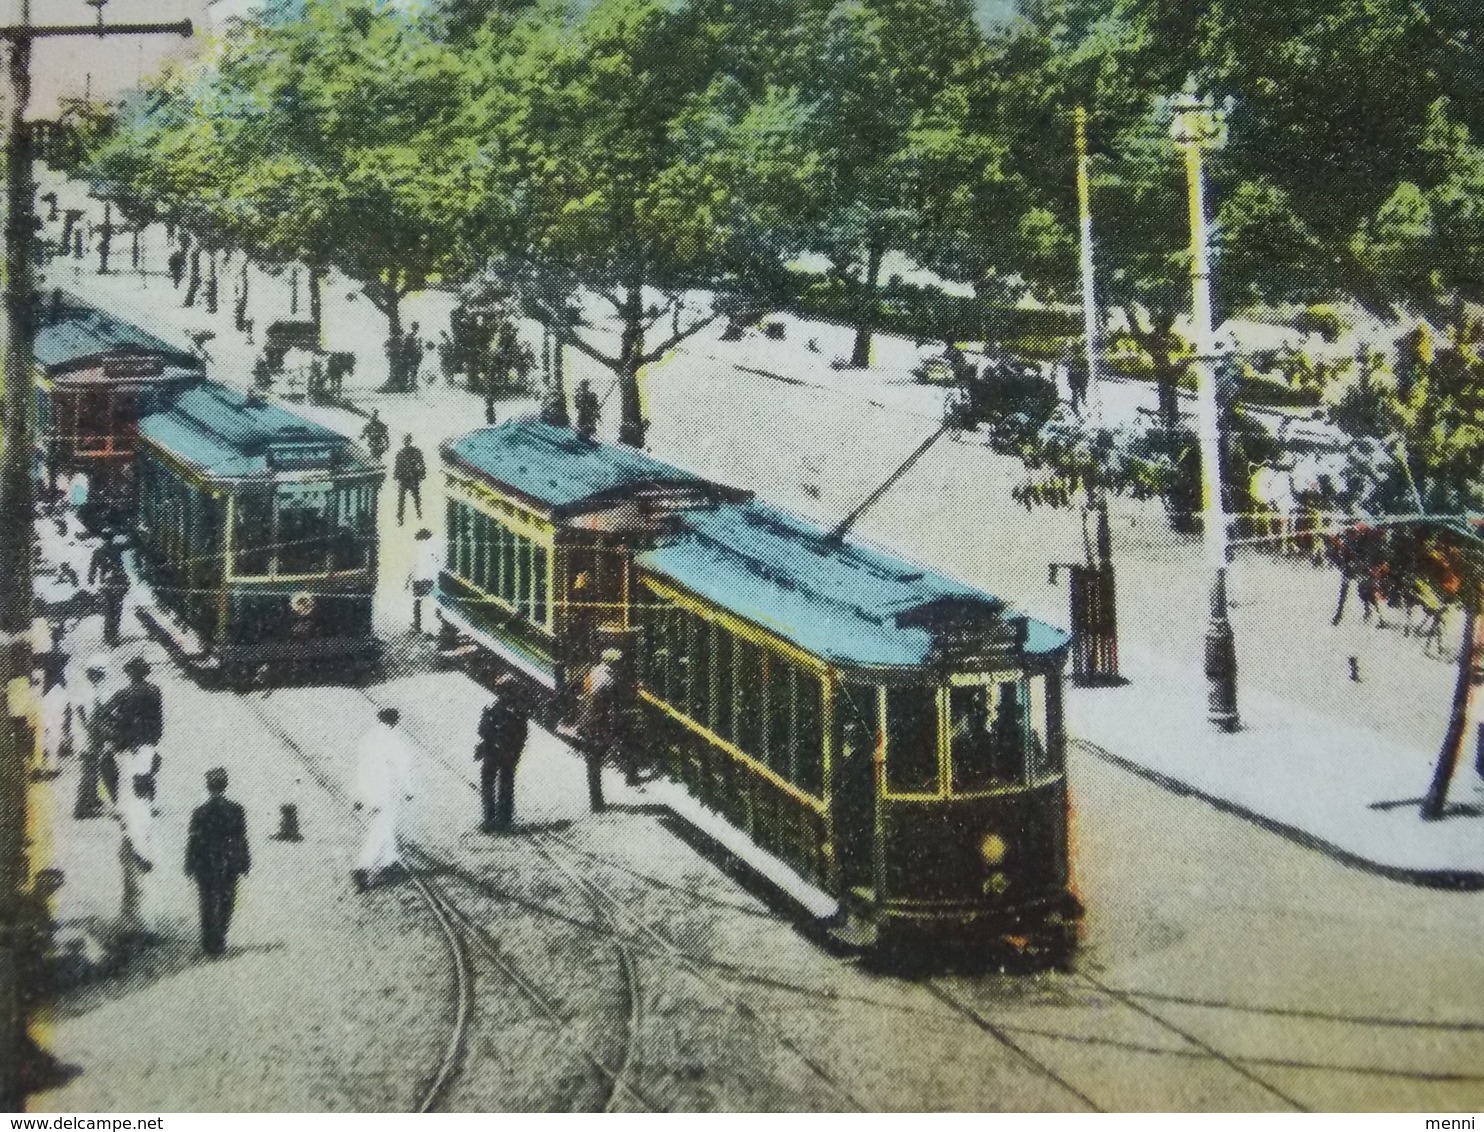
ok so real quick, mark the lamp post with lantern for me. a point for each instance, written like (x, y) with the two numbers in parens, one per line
(1198, 124)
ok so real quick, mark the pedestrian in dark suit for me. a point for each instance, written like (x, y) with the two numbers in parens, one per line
(106, 570)
(216, 855)
(503, 729)
(409, 469)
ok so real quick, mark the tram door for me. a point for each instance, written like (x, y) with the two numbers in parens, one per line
(854, 790)
(594, 599)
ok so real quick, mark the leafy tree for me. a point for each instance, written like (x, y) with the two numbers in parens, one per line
(637, 157)
(879, 75)
(308, 138)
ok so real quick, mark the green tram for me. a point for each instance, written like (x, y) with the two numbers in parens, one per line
(96, 376)
(892, 735)
(256, 534)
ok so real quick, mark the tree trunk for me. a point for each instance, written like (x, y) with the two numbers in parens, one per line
(631, 424)
(240, 314)
(316, 299)
(860, 355)
(1458, 718)
(134, 251)
(554, 403)
(105, 239)
(211, 283)
(559, 415)
(391, 304)
(195, 283)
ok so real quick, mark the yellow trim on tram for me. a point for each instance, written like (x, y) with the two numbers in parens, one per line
(816, 804)
(744, 629)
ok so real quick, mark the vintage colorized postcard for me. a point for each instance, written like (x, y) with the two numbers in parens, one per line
(734, 555)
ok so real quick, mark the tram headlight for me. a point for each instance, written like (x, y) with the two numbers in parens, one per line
(993, 849)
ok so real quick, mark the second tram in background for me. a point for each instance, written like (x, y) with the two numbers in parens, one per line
(892, 735)
(256, 535)
(97, 376)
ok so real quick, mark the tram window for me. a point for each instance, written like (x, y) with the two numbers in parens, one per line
(664, 644)
(303, 528)
(751, 699)
(479, 568)
(721, 682)
(698, 692)
(912, 740)
(780, 717)
(857, 710)
(538, 584)
(809, 732)
(252, 534)
(987, 735)
(1039, 755)
(523, 587)
(509, 550)
(347, 550)
(93, 419)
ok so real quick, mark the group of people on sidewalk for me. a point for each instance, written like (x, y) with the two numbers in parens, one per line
(114, 733)
(384, 780)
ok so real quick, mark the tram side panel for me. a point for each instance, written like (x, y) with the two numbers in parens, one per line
(741, 719)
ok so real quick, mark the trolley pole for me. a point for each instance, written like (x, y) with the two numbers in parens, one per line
(16, 441)
(1196, 126)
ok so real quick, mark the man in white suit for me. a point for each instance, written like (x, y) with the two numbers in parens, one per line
(383, 782)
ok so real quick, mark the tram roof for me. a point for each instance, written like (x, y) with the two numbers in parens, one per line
(81, 332)
(842, 601)
(230, 435)
(566, 474)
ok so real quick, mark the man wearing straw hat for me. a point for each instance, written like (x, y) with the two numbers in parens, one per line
(134, 719)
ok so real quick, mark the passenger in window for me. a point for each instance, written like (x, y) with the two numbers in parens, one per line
(1007, 736)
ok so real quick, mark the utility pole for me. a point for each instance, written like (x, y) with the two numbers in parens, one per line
(16, 442)
(1094, 588)
(1197, 125)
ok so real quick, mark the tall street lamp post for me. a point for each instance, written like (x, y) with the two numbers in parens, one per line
(1197, 124)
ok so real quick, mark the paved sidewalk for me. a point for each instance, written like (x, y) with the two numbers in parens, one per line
(1342, 789)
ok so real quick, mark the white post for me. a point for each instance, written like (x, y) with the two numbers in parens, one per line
(1089, 294)
(1196, 126)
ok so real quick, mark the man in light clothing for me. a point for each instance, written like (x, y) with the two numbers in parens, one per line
(135, 814)
(382, 783)
(89, 693)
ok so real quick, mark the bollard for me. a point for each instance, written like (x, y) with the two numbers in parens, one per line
(288, 823)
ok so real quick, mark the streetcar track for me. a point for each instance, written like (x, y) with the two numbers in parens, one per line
(610, 909)
(1225, 1059)
(616, 1077)
(1000, 1035)
(670, 950)
(455, 1054)
(452, 1061)
(458, 930)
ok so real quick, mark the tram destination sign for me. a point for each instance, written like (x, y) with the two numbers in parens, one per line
(288, 457)
(125, 366)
